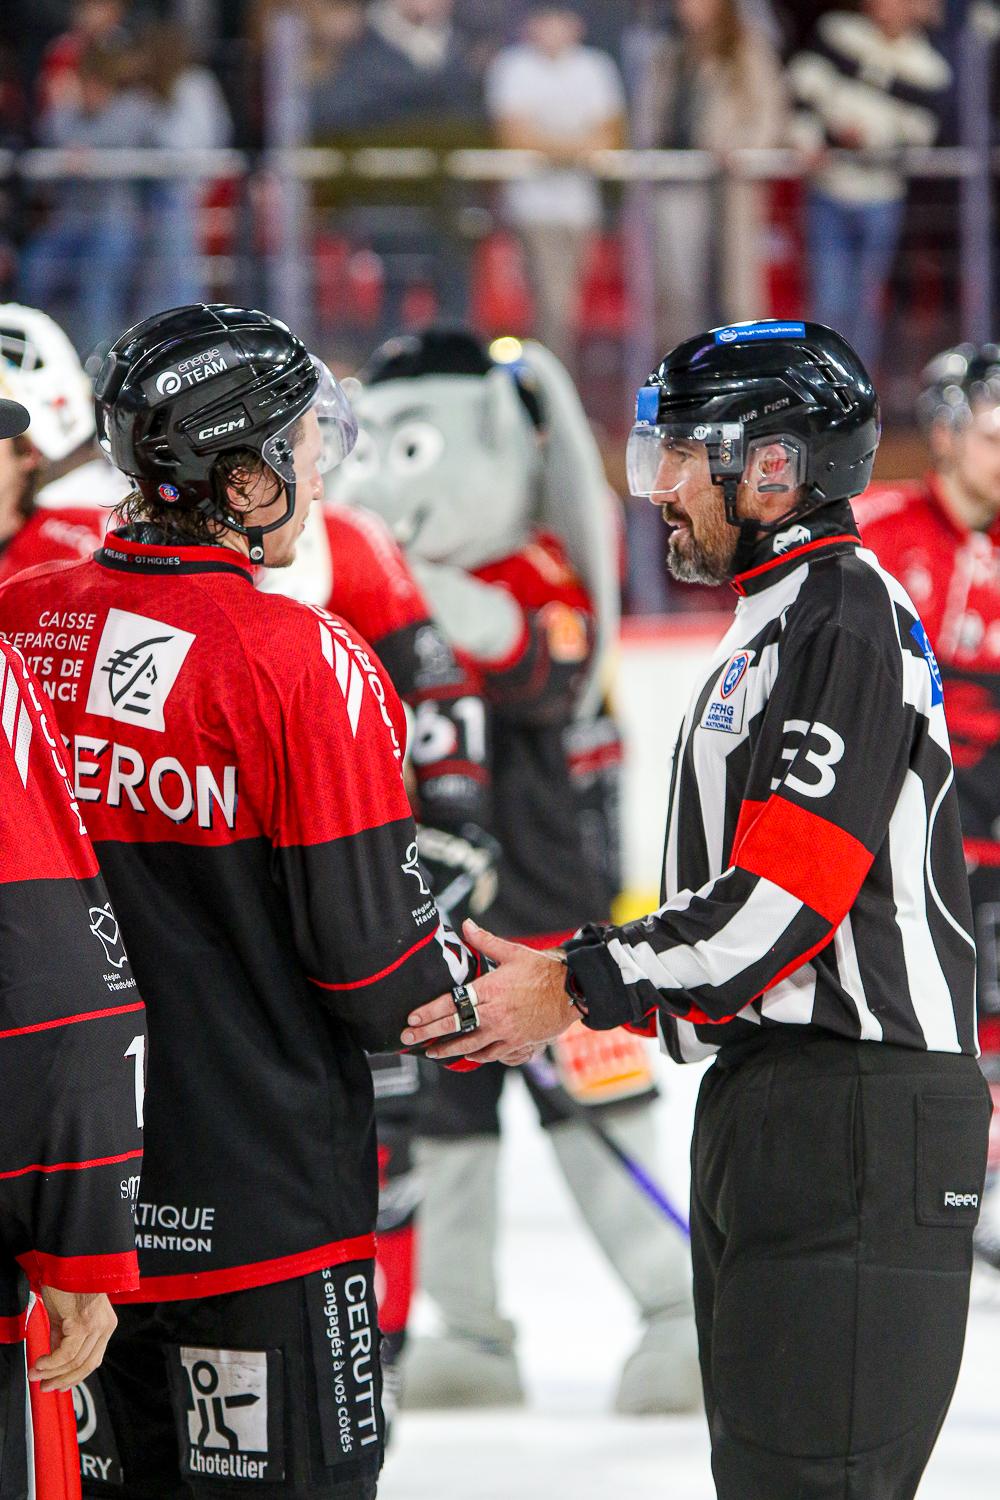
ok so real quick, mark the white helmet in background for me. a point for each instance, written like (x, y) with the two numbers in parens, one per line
(41, 369)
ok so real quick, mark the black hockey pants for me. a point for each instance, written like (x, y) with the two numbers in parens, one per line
(835, 1186)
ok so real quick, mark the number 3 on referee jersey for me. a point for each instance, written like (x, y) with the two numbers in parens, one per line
(822, 760)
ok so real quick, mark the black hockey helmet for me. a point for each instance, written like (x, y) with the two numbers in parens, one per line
(958, 380)
(451, 349)
(14, 419)
(182, 389)
(797, 383)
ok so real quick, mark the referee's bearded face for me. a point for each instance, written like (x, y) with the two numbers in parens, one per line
(702, 543)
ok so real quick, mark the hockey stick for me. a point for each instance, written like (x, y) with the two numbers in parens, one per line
(542, 1073)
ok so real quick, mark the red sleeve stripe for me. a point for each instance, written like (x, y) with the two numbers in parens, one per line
(71, 1166)
(808, 856)
(452, 768)
(82, 1273)
(12, 1330)
(85, 1015)
(359, 984)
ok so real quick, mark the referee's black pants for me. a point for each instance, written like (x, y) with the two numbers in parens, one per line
(835, 1186)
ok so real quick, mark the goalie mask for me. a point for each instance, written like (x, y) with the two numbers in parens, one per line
(40, 369)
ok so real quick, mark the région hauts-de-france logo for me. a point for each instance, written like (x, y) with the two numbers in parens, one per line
(104, 925)
(138, 661)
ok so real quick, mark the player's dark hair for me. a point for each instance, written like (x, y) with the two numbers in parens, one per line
(236, 470)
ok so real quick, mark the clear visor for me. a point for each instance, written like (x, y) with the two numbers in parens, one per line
(662, 459)
(338, 427)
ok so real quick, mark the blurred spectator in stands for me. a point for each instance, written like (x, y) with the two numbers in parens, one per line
(868, 84)
(554, 95)
(13, 131)
(92, 23)
(192, 115)
(335, 26)
(408, 63)
(713, 84)
(407, 80)
(87, 250)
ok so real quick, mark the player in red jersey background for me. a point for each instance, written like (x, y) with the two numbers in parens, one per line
(940, 536)
(57, 489)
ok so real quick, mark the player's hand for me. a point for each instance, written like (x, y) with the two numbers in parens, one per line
(522, 1005)
(81, 1324)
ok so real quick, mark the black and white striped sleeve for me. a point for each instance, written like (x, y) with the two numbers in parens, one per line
(830, 758)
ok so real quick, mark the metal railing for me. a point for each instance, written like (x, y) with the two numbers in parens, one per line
(289, 172)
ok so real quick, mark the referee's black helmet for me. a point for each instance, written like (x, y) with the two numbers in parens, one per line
(792, 381)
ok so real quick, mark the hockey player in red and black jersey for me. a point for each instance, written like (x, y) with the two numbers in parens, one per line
(72, 1045)
(940, 536)
(813, 937)
(57, 489)
(488, 474)
(347, 561)
(239, 757)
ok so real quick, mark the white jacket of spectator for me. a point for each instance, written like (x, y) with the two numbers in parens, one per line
(856, 81)
(565, 98)
(196, 117)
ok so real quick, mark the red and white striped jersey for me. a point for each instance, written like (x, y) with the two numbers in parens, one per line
(813, 874)
(72, 1030)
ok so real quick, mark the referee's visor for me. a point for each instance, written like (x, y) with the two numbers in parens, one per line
(662, 457)
(14, 419)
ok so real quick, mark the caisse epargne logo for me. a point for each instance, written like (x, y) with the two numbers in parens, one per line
(138, 662)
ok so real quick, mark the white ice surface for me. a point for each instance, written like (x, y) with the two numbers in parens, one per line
(576, 1328)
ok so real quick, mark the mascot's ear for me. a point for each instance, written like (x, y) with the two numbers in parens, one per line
(576, 503)
(504, 424)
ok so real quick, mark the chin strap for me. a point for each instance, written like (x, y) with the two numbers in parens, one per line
(254, 534)
(749, 530)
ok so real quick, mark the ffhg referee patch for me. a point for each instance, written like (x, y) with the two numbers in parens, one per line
(231, 1420)
(725, 709)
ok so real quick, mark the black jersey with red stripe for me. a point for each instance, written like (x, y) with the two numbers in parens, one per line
(547, 883)
(72, 1029)
(813, 874)
(238, 757)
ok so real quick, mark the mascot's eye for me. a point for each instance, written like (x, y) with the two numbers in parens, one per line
(363, 459)
(415, 447)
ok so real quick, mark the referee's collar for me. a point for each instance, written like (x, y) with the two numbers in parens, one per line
(825, 533)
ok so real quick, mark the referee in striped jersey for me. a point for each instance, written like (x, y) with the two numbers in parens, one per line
(814, 936)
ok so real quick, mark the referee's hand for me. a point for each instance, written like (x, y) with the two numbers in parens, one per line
(523, 1005)
(81, 1324)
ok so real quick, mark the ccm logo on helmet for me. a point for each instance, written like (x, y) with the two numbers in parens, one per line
(221, 429)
